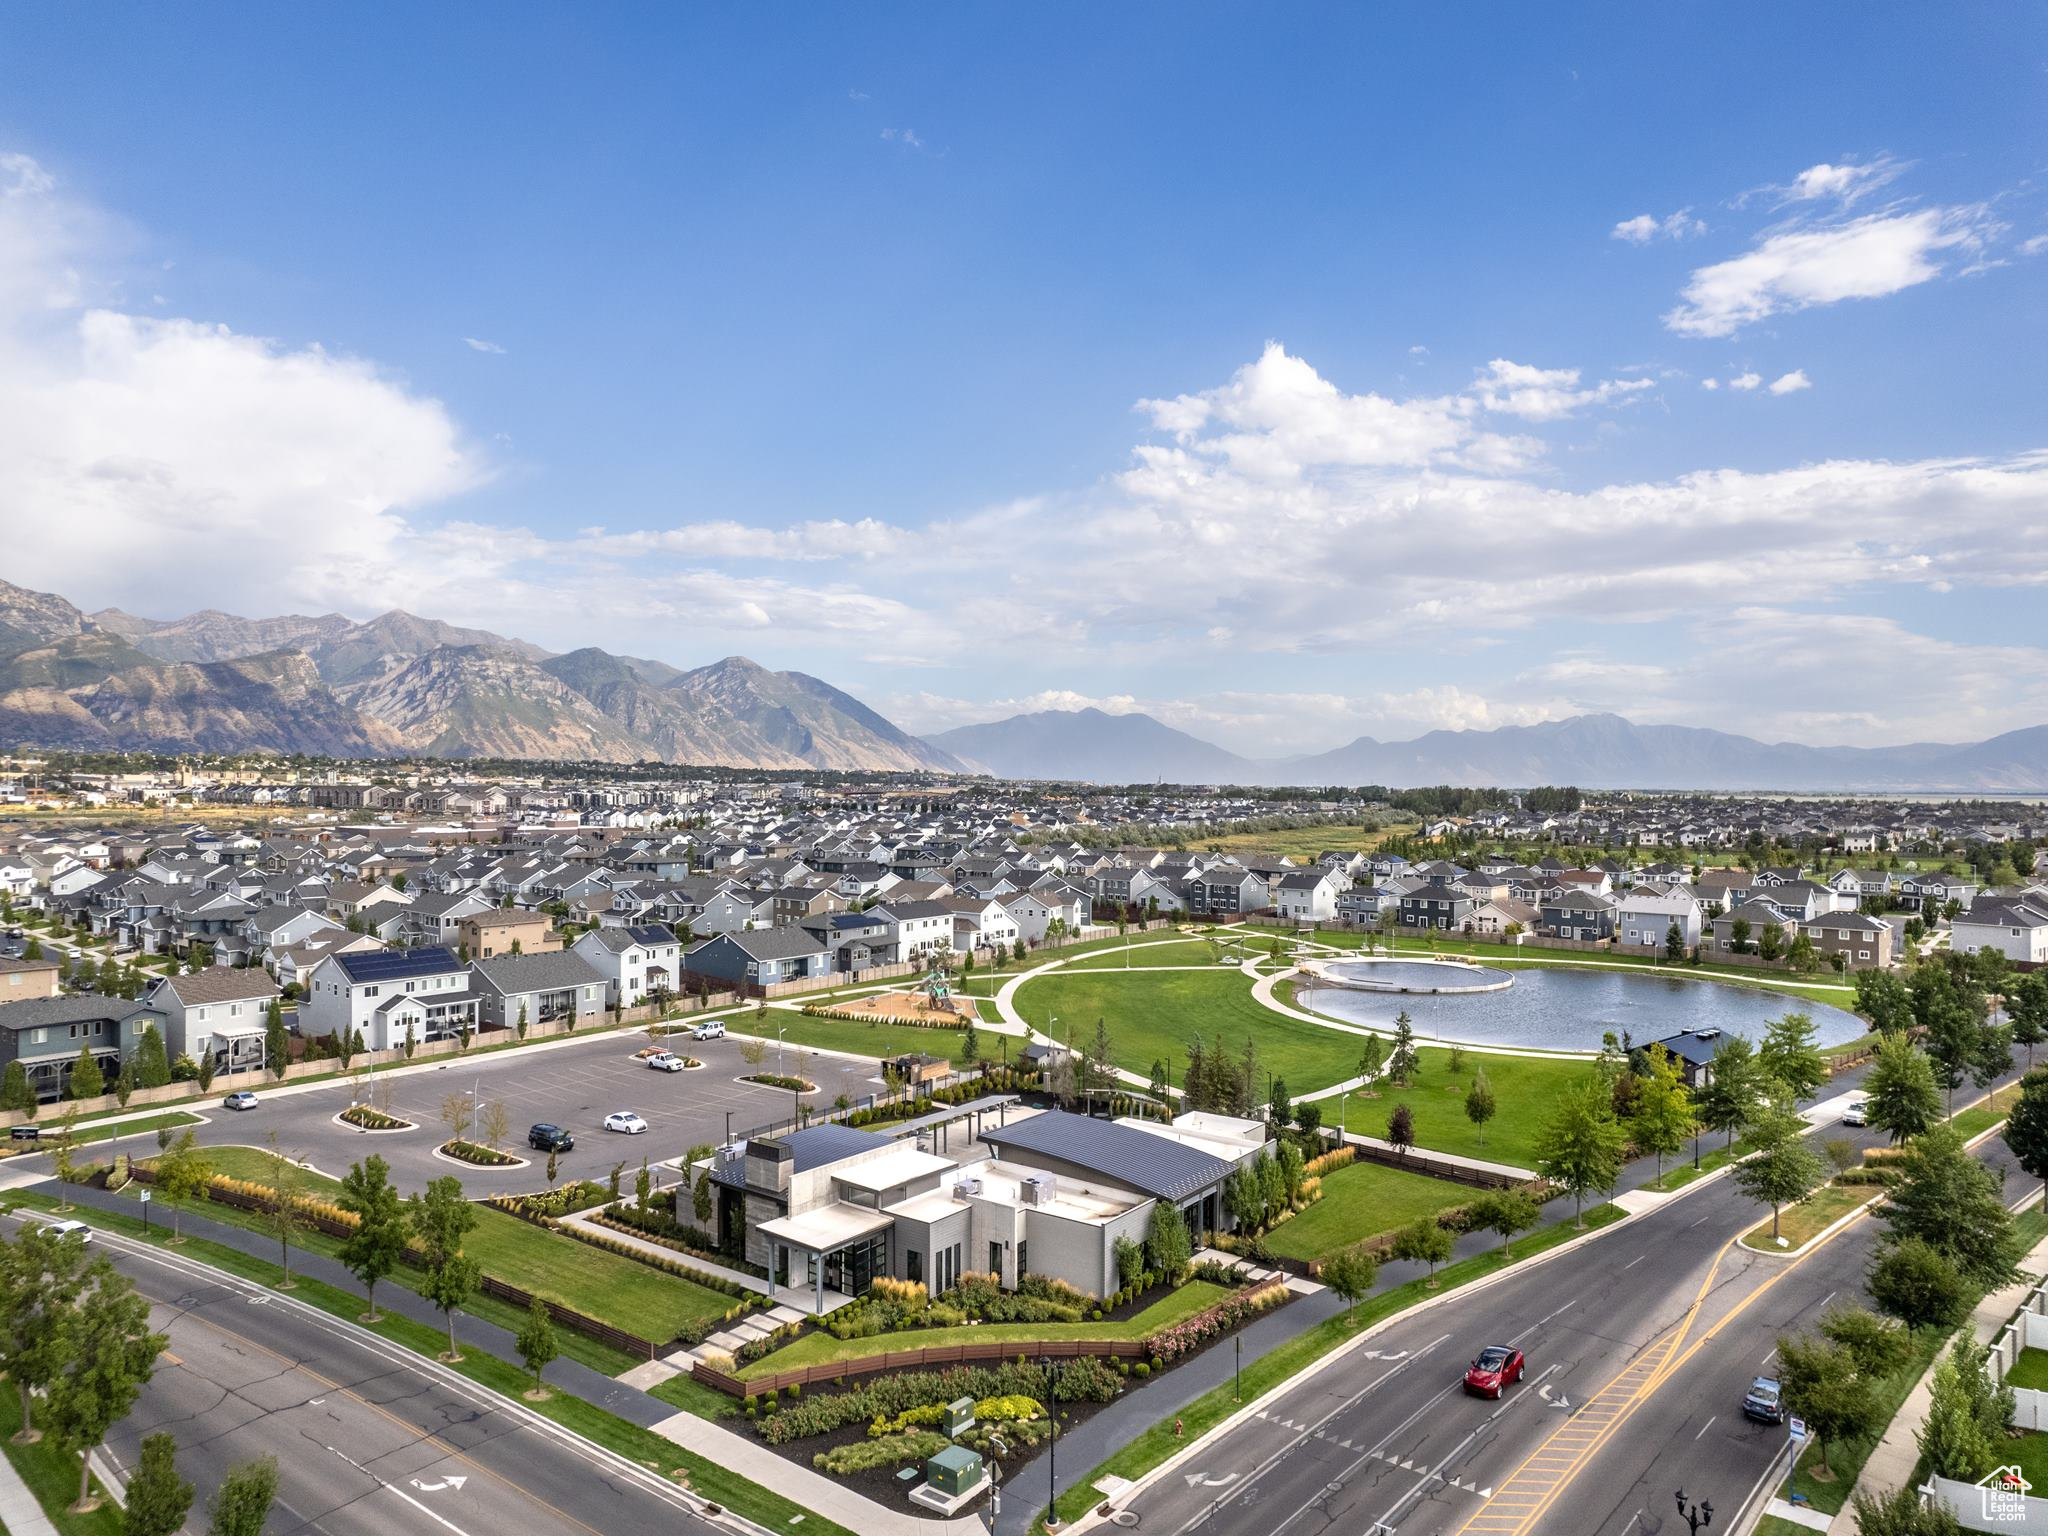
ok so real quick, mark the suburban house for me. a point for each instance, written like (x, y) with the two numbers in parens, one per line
(1862, 941)
(1495, 918)
(1308, 895)
(2015, 926)
(853, 940)
(387, 993)
(1436, 906)
(765, 957)
(1578, 913)
(503, 932)
(914, 930)
(219, 1011)
(543, 989)
(45, 1035)
(636, 962)
(1643, 918)
(1755, 915)
(21, 979)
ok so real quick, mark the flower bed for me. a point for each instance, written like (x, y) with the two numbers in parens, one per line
(1081, 1380)
(710, 1282)
(777, 1080)
(479, 1155)
(364, 1118)
(659, 1227)
(547, 1205)
(1181, 1339)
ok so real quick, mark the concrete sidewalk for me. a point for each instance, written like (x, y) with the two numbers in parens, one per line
(20, 1514)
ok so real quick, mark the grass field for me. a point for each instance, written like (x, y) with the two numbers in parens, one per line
(1525, 1092)
(1800, 1224)
(620, 1291)
(1303, 844)
(52, 1476)
(1142, 954)
(1359, 1201)
(821, 1348)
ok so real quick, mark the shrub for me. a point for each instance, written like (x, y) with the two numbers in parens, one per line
(889, 1451)
(1141, 1370)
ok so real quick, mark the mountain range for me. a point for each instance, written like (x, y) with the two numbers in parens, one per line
(400, 684)
(1591, 751)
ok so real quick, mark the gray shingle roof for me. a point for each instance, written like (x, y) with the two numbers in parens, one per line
(510, 974)
(1136, 1159)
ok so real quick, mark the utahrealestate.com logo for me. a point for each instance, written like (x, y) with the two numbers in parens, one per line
(2005, 1495)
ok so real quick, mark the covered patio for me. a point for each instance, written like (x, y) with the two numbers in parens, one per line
(837, 1248)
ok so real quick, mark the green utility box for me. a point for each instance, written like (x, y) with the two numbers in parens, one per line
(959, 1417)
(954, 1471)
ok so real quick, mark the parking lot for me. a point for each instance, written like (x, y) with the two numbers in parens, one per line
(574, 1086)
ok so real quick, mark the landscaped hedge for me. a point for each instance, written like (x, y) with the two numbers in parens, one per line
(657, 1226)
(477, 1154)
(1189, 1334)
(1330, 1162)
(371, 1119)
(1085, 1379)
(753, 1349)
(897, 1306)
(717, 1283)
(580, 1195)
(889, 1451)
(913, 1021)
(780, 1080)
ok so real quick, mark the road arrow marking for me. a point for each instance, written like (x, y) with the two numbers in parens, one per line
(454, 1482)
(1559, 1401)
(1197, 1480)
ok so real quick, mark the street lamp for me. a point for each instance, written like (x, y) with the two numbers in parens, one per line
(1052, 1405)
(1698, 1515)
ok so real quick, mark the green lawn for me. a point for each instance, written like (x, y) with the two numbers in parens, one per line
(1144, 955)
(2030, 1451)
(1304, 844)
(1800, 1224)
(821, 1348)
(52, 1476)
(1525, 1092)
(617, 1290)
(1362, 1200)
(2030, 1370)
(1986, 1112)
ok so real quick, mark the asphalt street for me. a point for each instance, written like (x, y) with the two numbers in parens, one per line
(1640, 1344)
(369, 1437)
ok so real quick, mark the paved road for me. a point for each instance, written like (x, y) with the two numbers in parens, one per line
(1650, 1334)
(574, 1085)
(370, 1438)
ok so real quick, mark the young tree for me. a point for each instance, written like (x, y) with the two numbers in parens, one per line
(554, 1168)
(1351, 1273)
(1674, 943)
(284, 1216)
(2026, 1006)
(1403, 1062)
(15, 1092)
(1966, 1416)
(440, 1219)
(643, 1187)
(1371, 1058)
(41, 1277)
(536, 1344)
(1308, 1119)
(111, 1356)
(457, 1112)
(1901, 1513)
(377, 1246)
(1733, 1090)
(158, 1499)
(205, 1071)
(1506, 1211)
(1244, 1198)
(1422, 1241)
(1822, 1385)
(241, 1504)
(970, 1042)
(184, 1173)
(497, 1123)
(1785, 1168)
(64, 1155)
(1953, 1203)
(1279, 1107)
(1918, 1286)
(1272, 1187)
(1290, 1165)
(1130, 1262)
(1479, 1103)
(1900, 1092)
(1167, 1244)
(1580, 1150)
(152, 1066)
(1789, 1055)
(2026, 1126)
(87, 1080)
(1401, 1129)
(1664, 1113)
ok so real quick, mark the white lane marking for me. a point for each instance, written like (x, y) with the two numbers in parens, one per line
(1632, 1263)
(415, 1503)
(1544, 1319)
(1708, 1425)
(1768, 1358)
(454, 1480)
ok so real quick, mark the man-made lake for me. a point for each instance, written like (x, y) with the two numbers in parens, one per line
(1418, 975)
(1563, 1009)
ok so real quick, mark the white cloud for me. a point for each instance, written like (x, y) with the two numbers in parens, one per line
(1745, 381)
(1796, 269)
(478, 344)
(1710, 383)
(1645, 227)
(904, 136)
(2034, 246)
(1545, 394)
(1842, 184)
(1789, 383)
(1418, 351)
(856, 95)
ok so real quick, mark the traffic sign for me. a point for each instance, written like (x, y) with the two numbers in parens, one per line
(1798, 1427)
(145, 1197)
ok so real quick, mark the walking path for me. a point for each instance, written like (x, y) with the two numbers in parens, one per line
(20, 1513)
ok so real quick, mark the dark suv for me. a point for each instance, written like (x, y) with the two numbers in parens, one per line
(550, 1138)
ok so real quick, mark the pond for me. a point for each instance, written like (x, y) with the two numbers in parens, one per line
(1563, 1009)
(1418, 975)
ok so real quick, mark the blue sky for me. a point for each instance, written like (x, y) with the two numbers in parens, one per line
(1290, 378)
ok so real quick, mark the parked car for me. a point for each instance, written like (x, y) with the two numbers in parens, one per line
(665, 1061)
(710, 1029)
(1496, 1368)
(77, 1229)
(550, 1138)
(626, 1121)
(1858, 1112)
(1765, 1401)
(241, 1098)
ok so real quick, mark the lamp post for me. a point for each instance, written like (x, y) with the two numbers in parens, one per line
(1696, 1516)
(1052, 1406)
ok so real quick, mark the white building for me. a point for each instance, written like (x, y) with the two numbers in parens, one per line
(2015, 926)
(219, 1010)
(1643, 919)
(386, 992)
(634, 961)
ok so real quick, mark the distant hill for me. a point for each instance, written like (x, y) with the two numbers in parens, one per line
(1591, 751)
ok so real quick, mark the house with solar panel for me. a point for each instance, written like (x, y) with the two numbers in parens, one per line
(637, 961)
(387, 992)
(828, 1208)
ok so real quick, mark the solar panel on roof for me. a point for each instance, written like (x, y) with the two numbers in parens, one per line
(397, 964)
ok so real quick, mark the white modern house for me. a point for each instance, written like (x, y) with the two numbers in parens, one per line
(634, 961)
(387, 992)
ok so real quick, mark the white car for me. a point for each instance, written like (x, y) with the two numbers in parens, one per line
(710, 1029)
(1858, 1112)
(77, 1229)
(665, 1061)
(625, 1120)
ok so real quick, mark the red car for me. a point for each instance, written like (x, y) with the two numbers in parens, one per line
(1496, 1367)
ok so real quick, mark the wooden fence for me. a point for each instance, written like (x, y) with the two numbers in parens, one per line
(922, 1359)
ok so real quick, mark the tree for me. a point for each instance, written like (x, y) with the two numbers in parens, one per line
(205, 1071)
(441, 1218)
(1272, 1187)
(1730, 1099)
(643, 1187)
(1422, 1241)
(411, 1042)
(1371, 1058)
(754, 1050)
(1902, 1099)
(1279, 1108)
(2026, 1006)
(1789, 1055)
(376, 1247)
(1901, 1513)
(183, 1173)
(1664, 1113)
(158, 1499)
(1674, 943)
(1130, 1262)
(1351, 1273)
(1953, 1203)
(497, 1123)
(1770, 941)
(1738, 935)
(284, 1216)
(522, 1024)
(1964, 1425)
(111, 1355)
(1244, 1199)
(1918, 1286)
(1822, 1385)
(554, 1168)
(1291, 1170)
(1479, 1103)
(2026, 1127)
(537, 1345)
(1506, 1211)
(1401, 1129)
(1402, 1062)
(1308, 1118)
(41, 1277)
(457, 1112)
(63, 1156)
(1784, 1168)
(970, 1043)
(1882, 998)
(1167, 1244)
(15, 1092)
(242, 1502)
(152, 1066)
(87, 1080)
(1580, 1149)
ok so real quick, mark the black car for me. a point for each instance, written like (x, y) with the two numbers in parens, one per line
(550, 1138)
